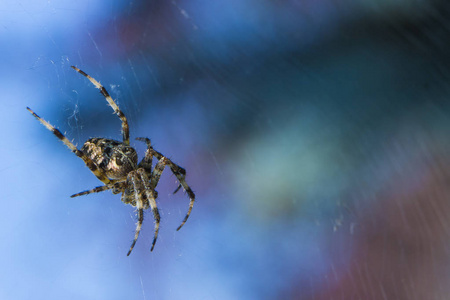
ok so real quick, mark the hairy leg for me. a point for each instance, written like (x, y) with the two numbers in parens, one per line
(116, 187)
(117, 111)
(179, 172)
(146, 162)
(137, 187)
(151, 196)
(89, 163)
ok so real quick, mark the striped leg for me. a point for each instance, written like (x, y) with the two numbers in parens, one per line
(143, 192)
(132, 179)
(157, 172)
(89, 163)
(179, 172)
(151, 196)
(140, 213)
(94, 190)
(146, 162)
(117, 111)
(117, 188)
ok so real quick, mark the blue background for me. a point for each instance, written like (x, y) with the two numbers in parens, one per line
(315, 135)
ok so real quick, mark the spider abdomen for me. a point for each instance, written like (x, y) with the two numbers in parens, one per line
(111, 156)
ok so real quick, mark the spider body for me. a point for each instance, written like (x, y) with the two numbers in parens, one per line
(116, 164)
(114, 158)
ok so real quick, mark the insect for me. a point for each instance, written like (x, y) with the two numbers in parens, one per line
(116, 165)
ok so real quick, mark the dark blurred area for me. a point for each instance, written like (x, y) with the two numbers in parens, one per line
(325, 118)
(315, 134)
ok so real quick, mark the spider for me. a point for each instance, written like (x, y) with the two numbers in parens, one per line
(116, 165)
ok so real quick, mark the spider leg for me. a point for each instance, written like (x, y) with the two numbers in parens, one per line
(157, 172)
(117, 111)
(179, 172)
(94, 190)
(151, 197)
(89, 163)
(146, 162)
(140, 213)
(143, 192)
(177, 189)
(139, 205)
(117, 187)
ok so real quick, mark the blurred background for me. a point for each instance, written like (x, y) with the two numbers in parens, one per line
(315, 135)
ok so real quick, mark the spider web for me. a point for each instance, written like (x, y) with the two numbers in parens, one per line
(314, 134)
